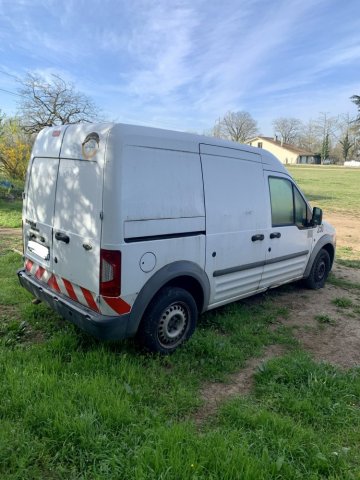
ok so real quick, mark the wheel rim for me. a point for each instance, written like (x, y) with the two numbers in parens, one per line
(320, 270)
(173, 324)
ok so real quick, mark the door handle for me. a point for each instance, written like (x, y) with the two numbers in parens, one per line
(275, 235)
(62, 237)
(257, 237)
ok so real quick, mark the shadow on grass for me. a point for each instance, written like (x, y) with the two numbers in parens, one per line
(348, 263)
(314, 197)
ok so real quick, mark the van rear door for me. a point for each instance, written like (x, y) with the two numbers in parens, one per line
(40, 188)
(78, 209)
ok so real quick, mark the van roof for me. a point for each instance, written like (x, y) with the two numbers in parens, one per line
(151, 137)
(176, 140)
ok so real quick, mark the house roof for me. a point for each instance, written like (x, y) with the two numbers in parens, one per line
(287, 146)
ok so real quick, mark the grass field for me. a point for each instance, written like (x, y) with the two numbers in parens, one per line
(10, 213)
(334, 189)
(75, 408)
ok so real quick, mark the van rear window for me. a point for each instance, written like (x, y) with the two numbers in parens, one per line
(41, 190)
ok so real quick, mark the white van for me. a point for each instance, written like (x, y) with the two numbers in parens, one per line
(131, 230)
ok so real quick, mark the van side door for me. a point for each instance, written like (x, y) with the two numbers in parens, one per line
(289, 235)
(235, 221)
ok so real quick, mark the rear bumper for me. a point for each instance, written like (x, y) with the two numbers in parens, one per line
(100, 326)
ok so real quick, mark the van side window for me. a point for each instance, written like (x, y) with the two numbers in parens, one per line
(301, 219)
(282, 206)
(288, 207)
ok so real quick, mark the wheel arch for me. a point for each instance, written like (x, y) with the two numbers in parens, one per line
(326, 243)
(183, 274)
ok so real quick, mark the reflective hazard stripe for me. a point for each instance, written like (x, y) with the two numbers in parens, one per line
(90, 299)
(118, 305)
(70, 290)
(39, 272)
(106, 305)
(53, 283)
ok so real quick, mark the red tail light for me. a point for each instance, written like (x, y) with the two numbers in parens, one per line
(110, 273)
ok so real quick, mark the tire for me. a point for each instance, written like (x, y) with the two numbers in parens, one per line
(169, 320)
(319, 271)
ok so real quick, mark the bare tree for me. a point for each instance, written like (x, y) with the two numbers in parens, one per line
(309, 138)
(288, 129)
(236, 126)
(52, 102)
(356, 123)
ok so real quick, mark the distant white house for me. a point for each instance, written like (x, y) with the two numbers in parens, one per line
(352, 163)
(286, 153)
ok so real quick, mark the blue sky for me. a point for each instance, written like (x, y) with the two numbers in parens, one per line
(181, 64)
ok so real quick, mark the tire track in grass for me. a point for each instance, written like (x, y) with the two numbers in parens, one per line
(240, 383)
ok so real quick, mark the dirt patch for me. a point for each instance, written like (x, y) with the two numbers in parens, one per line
(349, 274)
(328, 331)
(14, 232)
(240, 383)
(10, 239)
(9, 311)
(347, 230)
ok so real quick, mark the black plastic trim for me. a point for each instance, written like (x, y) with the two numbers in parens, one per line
(286, 257)
(100, 326)
(163, 237)
(248, 266)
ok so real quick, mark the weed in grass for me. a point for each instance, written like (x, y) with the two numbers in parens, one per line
(342, 302)
(324, 320)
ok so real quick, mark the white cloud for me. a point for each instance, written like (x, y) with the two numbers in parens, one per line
(183, 63)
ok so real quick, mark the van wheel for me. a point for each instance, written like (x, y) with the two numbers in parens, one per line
(319, 271)
(169, 320)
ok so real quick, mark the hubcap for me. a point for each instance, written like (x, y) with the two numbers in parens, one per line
(173, 324)
(321, 270)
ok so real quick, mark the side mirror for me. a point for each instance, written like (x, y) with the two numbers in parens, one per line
(316, 218)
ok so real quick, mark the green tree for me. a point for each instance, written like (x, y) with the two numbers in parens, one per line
(325, 148)
(15, 149)
(356, 99)
(346, 145)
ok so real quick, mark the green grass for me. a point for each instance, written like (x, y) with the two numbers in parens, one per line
(10, 213)
(331, 188)
(75, 408)
(324, 320)
(72, 407)
(342, 302)
(302, 421)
